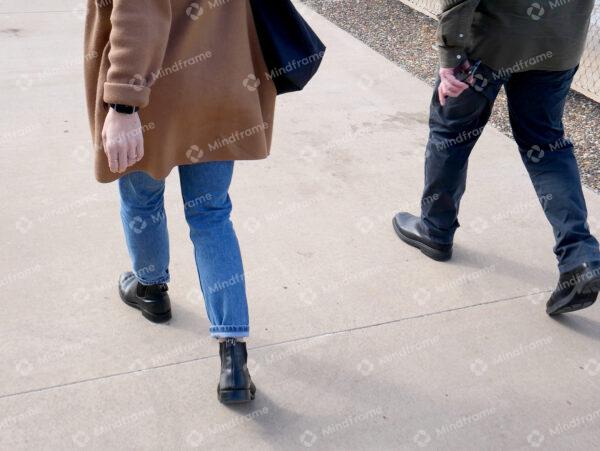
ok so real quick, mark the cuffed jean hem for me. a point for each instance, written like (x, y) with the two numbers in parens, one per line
(568, 267)
(160, 281)
(229, 331)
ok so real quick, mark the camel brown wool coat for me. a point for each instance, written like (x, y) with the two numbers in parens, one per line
(196, 70)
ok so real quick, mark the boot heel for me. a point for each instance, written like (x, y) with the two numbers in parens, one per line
(235, 396)
(437, 255)
(157, 318)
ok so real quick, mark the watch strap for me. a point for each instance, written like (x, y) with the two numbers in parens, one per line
(125, 109)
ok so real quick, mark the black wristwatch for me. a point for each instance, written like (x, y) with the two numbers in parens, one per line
(125, 109)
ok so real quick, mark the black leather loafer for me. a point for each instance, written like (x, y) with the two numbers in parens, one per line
(410, 230)
(152, 300)
(576, 290)
(235, 384)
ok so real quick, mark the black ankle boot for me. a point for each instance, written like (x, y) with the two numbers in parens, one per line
(152, 300)
(235, 384)
(576, 290)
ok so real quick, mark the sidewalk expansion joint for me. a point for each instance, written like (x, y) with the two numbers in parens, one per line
(270, 345)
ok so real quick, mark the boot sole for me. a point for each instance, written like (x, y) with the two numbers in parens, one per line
(235, 396)
(586, 290)
(157, 318)
(430, 252)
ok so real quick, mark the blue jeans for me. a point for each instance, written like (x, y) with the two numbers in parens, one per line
(207, 209)
(536, 101)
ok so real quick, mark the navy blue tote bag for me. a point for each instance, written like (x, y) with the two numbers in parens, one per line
(292, 50)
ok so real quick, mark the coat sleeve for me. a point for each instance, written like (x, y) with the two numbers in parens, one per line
(138, 41)
(454, 31)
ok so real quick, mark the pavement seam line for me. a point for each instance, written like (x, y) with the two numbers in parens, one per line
(270, 345)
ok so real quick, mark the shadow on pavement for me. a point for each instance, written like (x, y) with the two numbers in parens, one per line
(580, 324)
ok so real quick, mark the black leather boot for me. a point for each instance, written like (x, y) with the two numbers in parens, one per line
(410, 230)
(235, 384)
(576, 290)
(152, 300)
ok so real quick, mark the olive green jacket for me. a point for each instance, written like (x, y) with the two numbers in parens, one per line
(514, 35)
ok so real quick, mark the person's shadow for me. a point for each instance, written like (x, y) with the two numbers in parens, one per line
(580, 324)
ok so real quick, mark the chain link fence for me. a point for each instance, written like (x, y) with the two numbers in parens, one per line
(587, 81)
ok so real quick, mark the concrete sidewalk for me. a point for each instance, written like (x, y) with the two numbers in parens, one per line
(358, 341)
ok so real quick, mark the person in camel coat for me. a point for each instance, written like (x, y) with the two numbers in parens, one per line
(174, 83)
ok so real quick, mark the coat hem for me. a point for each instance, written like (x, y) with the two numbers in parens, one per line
(162, 175)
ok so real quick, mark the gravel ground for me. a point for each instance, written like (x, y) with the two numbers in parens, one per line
(406, 37)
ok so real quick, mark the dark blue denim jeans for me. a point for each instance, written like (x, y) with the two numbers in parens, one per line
(536, 101)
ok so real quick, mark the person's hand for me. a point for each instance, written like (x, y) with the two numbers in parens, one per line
(450, 86)
(123, 140)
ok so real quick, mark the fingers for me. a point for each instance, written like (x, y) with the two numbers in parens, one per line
(118, 155)
(123, 159)
(446, 90)
(442, 94)
(453, 91)
(454, 86)
(122, 151)
(140, 149)
(111, 155)
(450, 87)
(131, 153)
(113, 163)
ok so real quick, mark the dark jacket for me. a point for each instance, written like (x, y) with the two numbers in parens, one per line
(514, 35)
